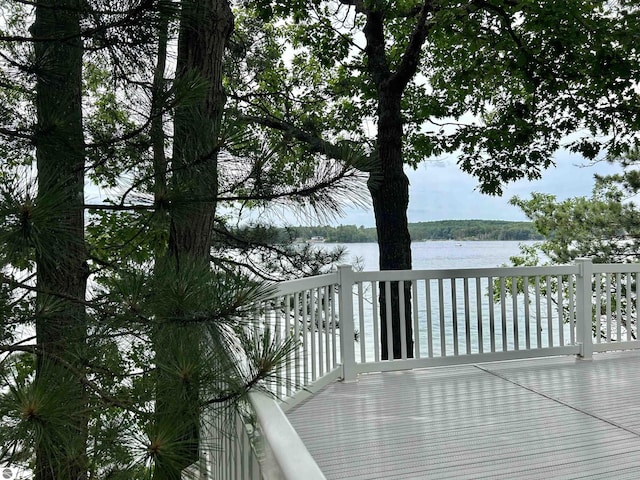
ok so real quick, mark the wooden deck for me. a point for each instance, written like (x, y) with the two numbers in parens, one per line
(553, 418)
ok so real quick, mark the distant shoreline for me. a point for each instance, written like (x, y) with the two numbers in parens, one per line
(456, 230)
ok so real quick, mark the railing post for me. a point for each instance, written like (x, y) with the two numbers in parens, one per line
(347, 333)
(584, 315)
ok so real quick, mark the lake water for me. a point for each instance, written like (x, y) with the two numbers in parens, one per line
(456, 315)
(441, 254)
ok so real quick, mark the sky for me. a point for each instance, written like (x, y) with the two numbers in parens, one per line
(439, 190)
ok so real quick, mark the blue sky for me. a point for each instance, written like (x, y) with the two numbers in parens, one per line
(439, 190)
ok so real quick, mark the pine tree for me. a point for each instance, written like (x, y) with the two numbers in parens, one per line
(119, 329)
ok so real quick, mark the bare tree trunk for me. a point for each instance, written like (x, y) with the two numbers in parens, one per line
(61, 258)
(389, 189)
(388, 184)
(205, 26)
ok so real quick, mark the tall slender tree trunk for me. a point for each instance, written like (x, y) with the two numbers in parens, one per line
(389, 188)
(205, 26)
(60, 254)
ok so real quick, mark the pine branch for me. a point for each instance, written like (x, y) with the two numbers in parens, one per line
(315, 143)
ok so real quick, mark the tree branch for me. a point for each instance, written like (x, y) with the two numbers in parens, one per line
(411, 58)
(314, 142)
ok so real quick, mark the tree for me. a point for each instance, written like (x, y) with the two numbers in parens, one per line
(205, 26)
(604, 227)
(411, 73)
(60, 253)
(89, 396)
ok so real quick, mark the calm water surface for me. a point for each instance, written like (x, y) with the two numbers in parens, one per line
(441, 254)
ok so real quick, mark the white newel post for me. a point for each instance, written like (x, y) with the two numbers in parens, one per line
(584, 314)
(345, 318)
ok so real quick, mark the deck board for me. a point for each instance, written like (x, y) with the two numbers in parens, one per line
(536, 419)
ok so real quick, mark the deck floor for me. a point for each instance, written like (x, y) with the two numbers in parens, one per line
(553, 418)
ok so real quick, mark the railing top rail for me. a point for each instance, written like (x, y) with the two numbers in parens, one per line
(292, 286)
(392, 275)
(297, 285)
(616, 268)
(290, 453)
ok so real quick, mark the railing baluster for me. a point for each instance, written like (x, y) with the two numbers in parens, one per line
(296, 332)
(320, 326)
(560, 304)
(312, 333)
(326, 301)
(503, 313)
(427, 296)
(607, 287)
(362, 333)
(492, 316)
(305, 337)
(548, 298)
(538, 314)
(454, 315)
(334, 326)
(416, 322)
(598, 293)
(618, 307)
(287, 334)
(637, 292)
(443, 347)
(527, 320)
(389, 319)
(467, 319)
(376, 321)
(514, 307)
(627, 311)
(403, 319)
(572, 308)
(281, 334)
(479, 314)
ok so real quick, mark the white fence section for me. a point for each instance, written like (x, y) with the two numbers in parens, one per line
(456, 316)
(468, 315)
(256, 443)
(615, 306)
(306, 310)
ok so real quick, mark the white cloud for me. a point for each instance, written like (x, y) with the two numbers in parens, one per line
(439, 190)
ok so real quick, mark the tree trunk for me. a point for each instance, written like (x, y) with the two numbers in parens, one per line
(205, 26)
(389, 188)
(389, 185)
(60, 253)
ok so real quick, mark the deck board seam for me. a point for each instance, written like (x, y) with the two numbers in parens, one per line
(557, 400)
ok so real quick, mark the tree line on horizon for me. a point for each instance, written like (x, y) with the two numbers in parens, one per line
(435, 230)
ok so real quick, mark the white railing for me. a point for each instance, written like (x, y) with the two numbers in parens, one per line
(252, 443)
(456, 316)
(467, 315)
(615, 306)
(228, 450)
(266, 447)
(285, 456)
(308, 311)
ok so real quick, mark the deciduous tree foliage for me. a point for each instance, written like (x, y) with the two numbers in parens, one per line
(498, 83)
